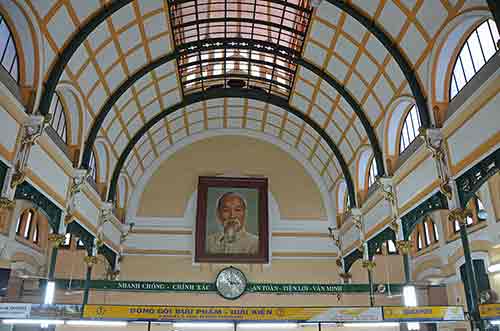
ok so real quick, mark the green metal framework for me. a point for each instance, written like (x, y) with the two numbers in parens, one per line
(373, 245)
(87, 238)
(471, 180)
(351, 258)
(238, 43)
(114, 6)
(416, 215)
(25, 191)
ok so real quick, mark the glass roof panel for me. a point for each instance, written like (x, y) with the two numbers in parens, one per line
(242, 43)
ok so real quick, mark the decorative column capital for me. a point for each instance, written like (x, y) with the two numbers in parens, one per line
(90, 260)
(56, 239)
(404, 246)
(367, 264)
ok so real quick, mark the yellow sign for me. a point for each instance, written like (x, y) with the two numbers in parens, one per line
(433, 313)
(232, 313)
(490, 310)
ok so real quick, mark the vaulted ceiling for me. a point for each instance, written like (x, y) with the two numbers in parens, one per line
(151, 73)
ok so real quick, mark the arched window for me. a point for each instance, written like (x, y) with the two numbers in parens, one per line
(479, 214)
(24, 223)
(27, 226)
(93, 166)
(479, 47)
(8, 51)
(425, 234)
(58, 121)
(410, 130)
(372, 173)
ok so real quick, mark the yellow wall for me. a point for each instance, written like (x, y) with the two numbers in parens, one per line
(169, 189)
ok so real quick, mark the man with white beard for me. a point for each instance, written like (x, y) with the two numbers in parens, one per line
(234, 239)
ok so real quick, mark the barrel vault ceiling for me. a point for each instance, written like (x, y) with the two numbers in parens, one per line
(181, 50)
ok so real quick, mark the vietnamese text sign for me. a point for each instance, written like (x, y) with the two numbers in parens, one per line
(203, 287)
(490, 311)
(424, 313)
(313, 314)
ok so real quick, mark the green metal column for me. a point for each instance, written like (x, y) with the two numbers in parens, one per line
(476, 322)
(87, 286)
(406, 264)
(370, 282)
(53, 261)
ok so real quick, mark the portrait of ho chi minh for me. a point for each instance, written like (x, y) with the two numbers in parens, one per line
(232, 238)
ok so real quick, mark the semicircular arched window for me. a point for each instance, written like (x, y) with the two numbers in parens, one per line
(93, 167)
(479, 47)
(58, 121)
(410, 130)
(372, 173)
(8, 51)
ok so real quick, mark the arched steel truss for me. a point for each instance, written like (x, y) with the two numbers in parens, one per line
(109, 9)
(254, 94)
(240, 44)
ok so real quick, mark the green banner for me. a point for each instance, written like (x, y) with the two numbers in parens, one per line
(199, 287)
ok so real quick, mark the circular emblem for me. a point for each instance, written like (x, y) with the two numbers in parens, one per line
(381, 288)
(231, 283)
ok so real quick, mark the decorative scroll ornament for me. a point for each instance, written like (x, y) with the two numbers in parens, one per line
(78, 181)
(387, 190)
(6, 203)
(106, 215)
(32, 130)
(90, 260)
(337, 240)
(460, 215)
(433, 139)
(56, 239)
(123, 237)
(404, 246)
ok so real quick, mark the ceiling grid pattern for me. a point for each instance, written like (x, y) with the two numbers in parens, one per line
(241, 114)
(139, 33)
(346, 50)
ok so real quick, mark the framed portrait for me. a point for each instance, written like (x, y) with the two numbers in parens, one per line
(232, 220)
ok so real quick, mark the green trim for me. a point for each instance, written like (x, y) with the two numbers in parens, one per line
(416, 215)
(471, 180)
(85, 236)
(351, 258)
(3, 173)
(205, 287)
(25, 191)
(377, 241)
